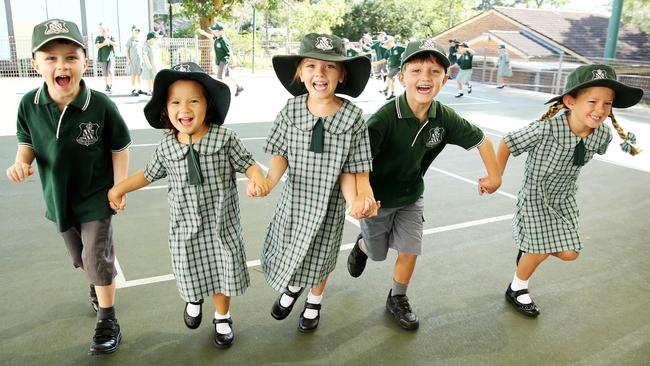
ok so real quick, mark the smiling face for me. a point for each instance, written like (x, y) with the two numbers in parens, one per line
(186, 109)
(62, 64)
(589, 108)
(320, 77)
(422, 78)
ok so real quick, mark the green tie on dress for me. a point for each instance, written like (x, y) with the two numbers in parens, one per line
(317, 136)
(193, 170)
(579, 154)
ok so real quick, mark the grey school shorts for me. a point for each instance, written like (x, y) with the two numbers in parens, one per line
(108, 67)
(397, 228)
(90, 245)
(392, 72)
(222, 70)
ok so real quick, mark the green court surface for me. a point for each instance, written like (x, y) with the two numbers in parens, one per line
(594, 310)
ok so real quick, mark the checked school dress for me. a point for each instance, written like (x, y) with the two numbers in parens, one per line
(303, 239)
(546, 218)
(205, 239)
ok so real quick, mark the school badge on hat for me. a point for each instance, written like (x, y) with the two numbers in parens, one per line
(427, 45)
(53, 29)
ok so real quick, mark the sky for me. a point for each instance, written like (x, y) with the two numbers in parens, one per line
(589, 6)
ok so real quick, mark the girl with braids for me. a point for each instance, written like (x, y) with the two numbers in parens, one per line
(558, 145)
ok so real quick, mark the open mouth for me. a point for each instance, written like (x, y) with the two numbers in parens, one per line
(319, 85)
(62, 81)
(424, 89)
(185, 121)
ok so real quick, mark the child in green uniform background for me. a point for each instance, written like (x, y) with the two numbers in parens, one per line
(546, 220)
(151, 60)
(134, 59)
(465, 58)
(222, 54)
(105, 44)
(406, 135)
(80, 143)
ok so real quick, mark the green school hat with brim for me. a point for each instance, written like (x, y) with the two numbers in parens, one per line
(218, 93)
(53, 29)
(217, 26)
(326, 48)
(426, 45)
(587, 76)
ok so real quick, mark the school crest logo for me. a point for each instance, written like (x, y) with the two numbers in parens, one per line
(88, 133)
(428, 44)
(599, 74)
(182, 68)
(324, 44)
(55, 27)
(436, 135)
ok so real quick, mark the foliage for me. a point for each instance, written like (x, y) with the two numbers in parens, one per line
(486, 4)
(637, 13)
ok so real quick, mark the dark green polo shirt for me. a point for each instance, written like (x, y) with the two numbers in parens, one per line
(221, 50)
(403, 148)
(381, 52)
(107, 52)
(351, 52)
(465, 61)
(395, 56)
(452, 54)
(73, 150)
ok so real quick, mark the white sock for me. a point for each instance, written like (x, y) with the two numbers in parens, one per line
(192, 309)
(517, 285)
(222, 328)
(312, 299)
(287, 300)
(362, 245)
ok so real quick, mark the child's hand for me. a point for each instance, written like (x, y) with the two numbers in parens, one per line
(19, 171)
(262, 187)
(488, 185)
(115, 200)
(364, 207)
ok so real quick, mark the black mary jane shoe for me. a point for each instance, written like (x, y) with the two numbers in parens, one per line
(107, 338)
(278, 311)
(193, 322)
(530, 310)
(309, 325)
(222, 340)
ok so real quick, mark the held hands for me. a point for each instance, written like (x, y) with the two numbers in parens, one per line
(116, 200)
(364, 207)
(19, 171)
(488, 185)
(258, 187)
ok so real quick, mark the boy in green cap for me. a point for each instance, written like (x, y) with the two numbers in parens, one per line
(222, 51)
(406, 135)
(546, 220)
(80, 143)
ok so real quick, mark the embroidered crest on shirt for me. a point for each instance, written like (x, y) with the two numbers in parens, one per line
(88, 135)
(435, 137)
(599, 74)
(182, 68)
(428, 45)
(55, 27)
(324, 44)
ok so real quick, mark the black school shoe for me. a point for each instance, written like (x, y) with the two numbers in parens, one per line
(401, 309)
(357, 259)
(93, 298)
(278, 311)
(239, 90)
(309, 325)
(193, 322)
(530, 310)
(222, 340)
(469, 89)
(107, 337)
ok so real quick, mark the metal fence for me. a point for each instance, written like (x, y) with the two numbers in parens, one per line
(539, 74)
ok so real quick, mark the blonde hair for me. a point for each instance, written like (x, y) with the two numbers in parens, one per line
(633, 149)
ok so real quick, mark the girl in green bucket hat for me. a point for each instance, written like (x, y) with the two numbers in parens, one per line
(319, 138)
(546, 219)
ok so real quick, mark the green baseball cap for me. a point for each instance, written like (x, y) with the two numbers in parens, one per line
(426, 45)
(53, 29)
(587, 76)
(217, 26)
(323, 47)
(218, 92)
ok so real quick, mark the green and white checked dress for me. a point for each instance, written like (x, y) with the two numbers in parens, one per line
(205, 239)
(546, 218)
(304, 237)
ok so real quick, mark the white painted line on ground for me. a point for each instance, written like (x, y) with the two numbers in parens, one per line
(120, 280)
(344, 247)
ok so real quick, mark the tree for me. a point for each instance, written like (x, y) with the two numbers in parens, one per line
(637, 13)
(205, 11)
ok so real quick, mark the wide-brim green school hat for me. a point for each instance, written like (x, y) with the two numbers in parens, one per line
(326, 48)
(218, 93)
(53, 29)
(428, 46)
(587, 76)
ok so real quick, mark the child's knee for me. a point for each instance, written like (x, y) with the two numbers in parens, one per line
(567, 255)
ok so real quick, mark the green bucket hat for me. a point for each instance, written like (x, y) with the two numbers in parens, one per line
(218, 93)
(53, 29)
(587, 76)
(323, 47)
(426, 45)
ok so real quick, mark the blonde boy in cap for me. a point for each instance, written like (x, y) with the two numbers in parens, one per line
(222, 51)
(406, 135)
(80, 143)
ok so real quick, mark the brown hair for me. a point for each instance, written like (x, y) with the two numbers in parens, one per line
(296, 75)
(422, 57)
(559, 105)
(210, 112)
